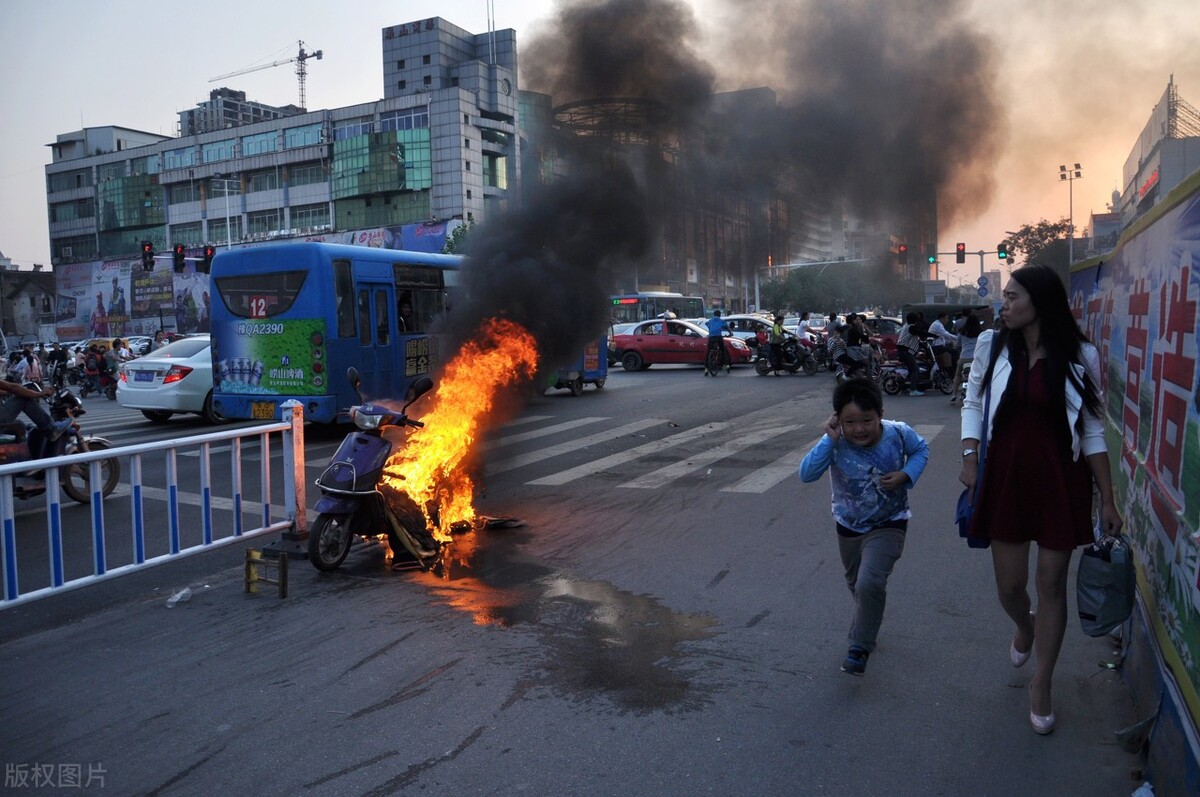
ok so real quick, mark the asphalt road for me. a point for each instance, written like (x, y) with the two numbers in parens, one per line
(668, 620)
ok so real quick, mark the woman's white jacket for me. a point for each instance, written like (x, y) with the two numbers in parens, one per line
(1092, 441)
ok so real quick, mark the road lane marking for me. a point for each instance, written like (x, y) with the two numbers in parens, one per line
(570, 446)
(542, 432)
(664, 476)
(763, 479)
(622, 457)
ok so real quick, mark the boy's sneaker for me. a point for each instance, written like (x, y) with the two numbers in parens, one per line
(856, 661)
(59, 428)
(916, 393)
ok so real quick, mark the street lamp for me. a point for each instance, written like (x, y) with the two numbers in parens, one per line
(1070, 175)
(225, 189)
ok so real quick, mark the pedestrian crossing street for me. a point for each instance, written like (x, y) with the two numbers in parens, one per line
(568, 451)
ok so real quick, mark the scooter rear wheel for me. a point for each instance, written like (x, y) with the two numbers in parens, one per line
(891, 383)
(329, 541)
(76, 479)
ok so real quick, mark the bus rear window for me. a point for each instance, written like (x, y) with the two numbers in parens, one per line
(260, 295)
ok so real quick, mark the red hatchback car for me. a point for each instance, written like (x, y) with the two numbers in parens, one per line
(660, 342)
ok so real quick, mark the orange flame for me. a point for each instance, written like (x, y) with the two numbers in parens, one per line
(429, 468)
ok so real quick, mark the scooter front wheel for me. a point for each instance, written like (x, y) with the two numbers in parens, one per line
(329, 541)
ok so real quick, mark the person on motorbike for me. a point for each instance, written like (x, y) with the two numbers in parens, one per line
(908, 342)
(775, 341)
(93, 361)
(56, 364)
(15, 399)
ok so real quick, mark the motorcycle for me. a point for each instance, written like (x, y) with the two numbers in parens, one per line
(929, 375)
(869, 367)
(108, 386)
(75, 375)
(791, 359)
(351, 503)
(26, 443)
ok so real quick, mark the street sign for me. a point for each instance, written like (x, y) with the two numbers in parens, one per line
(982, 282)
(983, 291)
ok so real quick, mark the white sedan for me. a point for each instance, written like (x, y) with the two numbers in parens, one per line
(174, 379)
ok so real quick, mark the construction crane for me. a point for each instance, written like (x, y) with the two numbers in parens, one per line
(301, 62)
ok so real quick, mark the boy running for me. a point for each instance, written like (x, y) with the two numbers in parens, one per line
(872, 465)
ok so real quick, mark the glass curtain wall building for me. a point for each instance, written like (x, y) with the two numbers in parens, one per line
(440, 145)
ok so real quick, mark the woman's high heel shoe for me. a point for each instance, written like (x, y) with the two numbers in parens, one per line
(1041, 725)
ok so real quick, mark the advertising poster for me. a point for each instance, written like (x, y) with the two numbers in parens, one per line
(273, 358)
(1141, 306)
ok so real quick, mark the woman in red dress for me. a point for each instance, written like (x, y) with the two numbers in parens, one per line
(1040, 379)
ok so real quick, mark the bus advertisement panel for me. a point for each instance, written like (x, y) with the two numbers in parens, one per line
(289, 320)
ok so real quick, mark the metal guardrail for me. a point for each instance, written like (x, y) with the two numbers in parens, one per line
(291, 430)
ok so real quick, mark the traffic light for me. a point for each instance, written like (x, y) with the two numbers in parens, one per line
(205, 263)
(180, 257)
(931, 253)
(147, 256)
(960, 253)
(1002, 251)
(902, 253)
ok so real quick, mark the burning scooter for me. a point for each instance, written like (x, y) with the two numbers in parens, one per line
(409, 479)
(351, 503)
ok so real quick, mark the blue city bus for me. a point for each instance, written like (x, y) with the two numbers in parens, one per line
(289, 319)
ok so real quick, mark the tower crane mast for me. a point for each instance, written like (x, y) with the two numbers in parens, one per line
(301, 62)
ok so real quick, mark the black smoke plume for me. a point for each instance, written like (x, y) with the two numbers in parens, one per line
(885, 110)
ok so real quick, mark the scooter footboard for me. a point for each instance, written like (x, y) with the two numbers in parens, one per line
(332, 504)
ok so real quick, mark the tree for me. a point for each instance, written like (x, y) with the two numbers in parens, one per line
(456, 241)
(1042, 244)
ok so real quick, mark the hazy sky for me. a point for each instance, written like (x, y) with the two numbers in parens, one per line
(1077, 80)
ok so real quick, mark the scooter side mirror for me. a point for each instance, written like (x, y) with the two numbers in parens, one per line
(418, 388)
(352, 377)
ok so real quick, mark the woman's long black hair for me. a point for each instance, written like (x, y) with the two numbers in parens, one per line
(1060, 336)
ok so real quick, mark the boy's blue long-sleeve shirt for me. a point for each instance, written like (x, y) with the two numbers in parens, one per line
(859, 502)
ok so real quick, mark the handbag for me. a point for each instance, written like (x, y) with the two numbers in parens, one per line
(1105, 585)
(965, 508)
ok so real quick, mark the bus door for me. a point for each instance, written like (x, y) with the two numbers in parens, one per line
(377, 339)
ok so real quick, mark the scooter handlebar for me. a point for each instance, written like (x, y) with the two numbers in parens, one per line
(411, 422)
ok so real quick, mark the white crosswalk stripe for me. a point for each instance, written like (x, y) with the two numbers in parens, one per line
(664, 476)
(543, 432)
(571, 446)
(614, 460)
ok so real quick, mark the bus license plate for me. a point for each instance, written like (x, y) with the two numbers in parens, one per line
(262, 410)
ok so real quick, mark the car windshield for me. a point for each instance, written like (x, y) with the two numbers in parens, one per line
(184, 348)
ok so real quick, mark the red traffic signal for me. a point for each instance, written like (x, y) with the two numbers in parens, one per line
(902, 252)
(147, 255)
(206, 261)
(960, 253)
(179, 255)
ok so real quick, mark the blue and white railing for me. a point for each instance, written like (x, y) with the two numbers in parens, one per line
(291, 432)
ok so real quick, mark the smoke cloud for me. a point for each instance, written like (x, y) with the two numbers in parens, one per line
(879, 106)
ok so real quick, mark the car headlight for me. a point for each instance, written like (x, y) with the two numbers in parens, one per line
(738, 343)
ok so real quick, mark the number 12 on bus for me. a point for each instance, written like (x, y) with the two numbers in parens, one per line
(289, 319)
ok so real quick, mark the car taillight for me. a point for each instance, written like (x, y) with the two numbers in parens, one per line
(176, 373)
